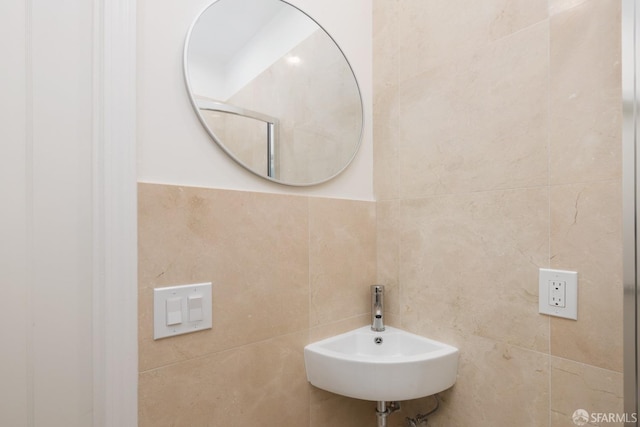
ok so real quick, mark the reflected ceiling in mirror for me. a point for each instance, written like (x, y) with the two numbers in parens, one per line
(273, 90)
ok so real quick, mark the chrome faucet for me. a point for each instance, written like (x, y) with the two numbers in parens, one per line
(377, 308)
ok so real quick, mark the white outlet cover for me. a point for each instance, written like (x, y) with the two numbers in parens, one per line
(570, 309)
(182, 293)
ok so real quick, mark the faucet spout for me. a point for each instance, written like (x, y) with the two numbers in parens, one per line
(377, 308)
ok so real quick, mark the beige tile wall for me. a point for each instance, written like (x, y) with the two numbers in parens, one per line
(497, 152)
(286, 270)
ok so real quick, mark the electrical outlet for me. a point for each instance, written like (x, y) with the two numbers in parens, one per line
(558, 293)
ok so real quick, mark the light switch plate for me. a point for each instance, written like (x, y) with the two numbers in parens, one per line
(558, 293)
(181, 296)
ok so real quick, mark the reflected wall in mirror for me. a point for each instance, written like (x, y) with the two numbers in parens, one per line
(273, 90)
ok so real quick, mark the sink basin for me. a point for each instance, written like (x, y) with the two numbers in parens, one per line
(392, 365)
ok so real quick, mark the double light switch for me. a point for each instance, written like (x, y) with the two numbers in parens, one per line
(181, 309)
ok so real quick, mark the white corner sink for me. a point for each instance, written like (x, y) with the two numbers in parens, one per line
(402, 366)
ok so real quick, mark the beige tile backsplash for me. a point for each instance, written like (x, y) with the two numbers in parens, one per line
(497, 152)
(498, 125)
(285, 270)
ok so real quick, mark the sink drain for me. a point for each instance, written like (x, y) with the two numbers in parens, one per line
(377, 340)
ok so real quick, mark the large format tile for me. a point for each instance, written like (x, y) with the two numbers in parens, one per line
(327, 330)
(586, 235)
(328, 409)
(388, 253)
(253, 248)
(477, 123)
(497, 385)
(577, 386)
(261, 384)
(385, 102)
(386, 131)
(385, 43)
(585, 87)
(469, 263)
(342, 251)
(432, 32)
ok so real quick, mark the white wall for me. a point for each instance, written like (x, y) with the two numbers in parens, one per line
(282, 30)
(13, 227)
(46, 229)
(173, 146)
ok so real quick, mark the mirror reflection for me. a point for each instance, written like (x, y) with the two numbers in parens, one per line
(274, 90)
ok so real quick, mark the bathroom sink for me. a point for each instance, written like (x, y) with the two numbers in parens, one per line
(391, 365)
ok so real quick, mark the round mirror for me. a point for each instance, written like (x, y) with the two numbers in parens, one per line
(273, 90)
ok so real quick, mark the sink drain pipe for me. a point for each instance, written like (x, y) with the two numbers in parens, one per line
(383, 411)
(421, 419)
